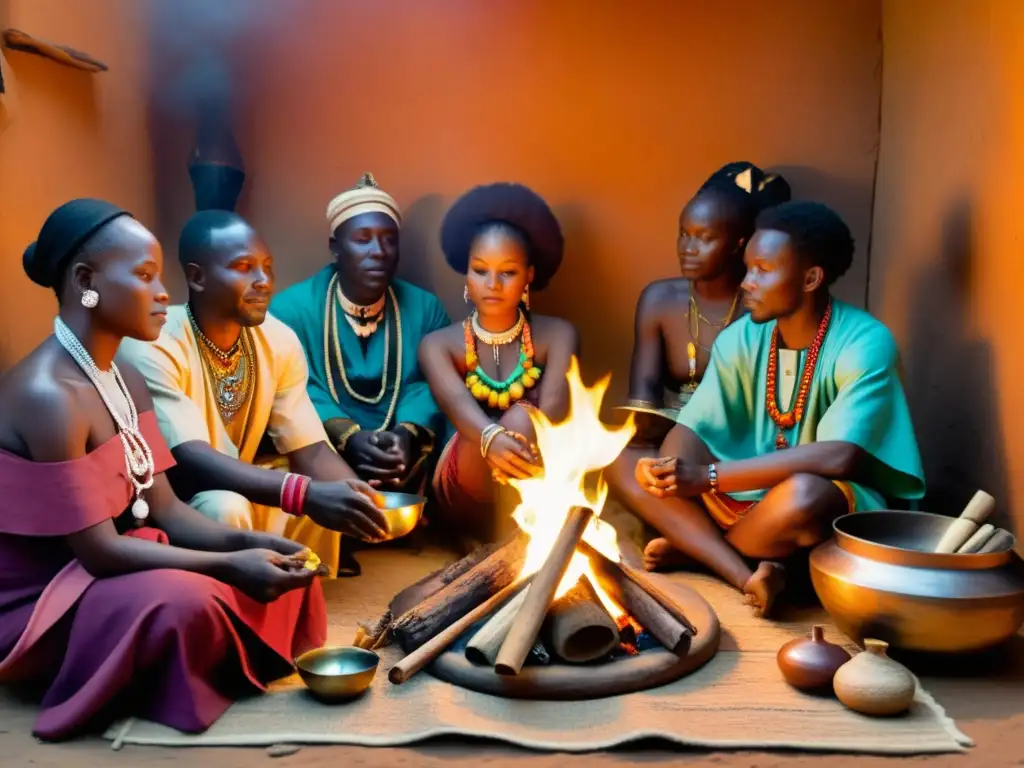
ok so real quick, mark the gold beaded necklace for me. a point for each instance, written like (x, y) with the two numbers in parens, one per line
(232, 373)
(331, 332)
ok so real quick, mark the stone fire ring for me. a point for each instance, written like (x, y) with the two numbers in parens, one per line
(568, 682)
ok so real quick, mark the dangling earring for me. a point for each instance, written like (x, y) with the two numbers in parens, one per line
(90, 298)
(526, 297)
(465, 293)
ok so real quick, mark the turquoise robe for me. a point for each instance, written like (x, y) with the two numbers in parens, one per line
(855, 396)
(301, 306)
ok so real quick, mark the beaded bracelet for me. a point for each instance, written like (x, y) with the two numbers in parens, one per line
(713, 478)
(293, 493)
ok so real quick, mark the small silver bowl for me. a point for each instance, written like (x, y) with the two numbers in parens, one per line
(337, 673)
(403, 511)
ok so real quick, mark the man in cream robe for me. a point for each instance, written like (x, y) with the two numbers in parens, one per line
(265, 396)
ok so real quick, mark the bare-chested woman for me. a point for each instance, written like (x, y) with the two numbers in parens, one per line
(486, 372)
(678, 319)
(115, 597)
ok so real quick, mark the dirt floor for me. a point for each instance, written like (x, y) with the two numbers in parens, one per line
(987, 703)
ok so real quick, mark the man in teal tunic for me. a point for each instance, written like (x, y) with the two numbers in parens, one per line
(360, 328)
(800, 418)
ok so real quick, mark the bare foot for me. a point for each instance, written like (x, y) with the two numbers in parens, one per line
(659, 555)
(763, 587)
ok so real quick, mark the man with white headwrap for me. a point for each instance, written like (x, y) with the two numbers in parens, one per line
(360, 328)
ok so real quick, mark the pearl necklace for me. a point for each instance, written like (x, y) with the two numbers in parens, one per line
(497, 340)
(138, 457)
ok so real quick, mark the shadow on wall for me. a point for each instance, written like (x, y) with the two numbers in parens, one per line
(843, 196)
(422, 260)
(950, 383)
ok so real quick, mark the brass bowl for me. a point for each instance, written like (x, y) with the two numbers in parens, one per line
(880, 578)
(403, 511)
(337, 673)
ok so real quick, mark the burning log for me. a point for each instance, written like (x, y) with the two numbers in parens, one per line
(620, 572)
(528, 621)
(440, 610)
(484, 647)
(433, 647)
(650, 613)
(581, 628)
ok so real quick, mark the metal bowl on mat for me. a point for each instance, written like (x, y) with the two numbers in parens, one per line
(403, 511)
(880, 578)
(337, 673)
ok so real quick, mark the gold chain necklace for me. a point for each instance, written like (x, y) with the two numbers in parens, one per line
(694, 316)
(331, 331)
(499, 339)
(225, 357)
(232, 373)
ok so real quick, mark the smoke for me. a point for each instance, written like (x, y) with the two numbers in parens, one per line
(195, 48)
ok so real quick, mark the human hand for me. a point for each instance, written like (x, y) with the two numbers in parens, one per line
(378, 457)
(510, 455)
(669, 476)
(265, 575)
(399, 443)
(350, 507)
(273, 542)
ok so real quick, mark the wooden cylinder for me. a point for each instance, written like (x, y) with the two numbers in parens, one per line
(645, 582)
(432, 583)
(977, 541)
(421, 622)
(648, 612)
(581, 629)
(960, 530)
(484, 647)
(531, 616)
(433, 647)
(998, 541)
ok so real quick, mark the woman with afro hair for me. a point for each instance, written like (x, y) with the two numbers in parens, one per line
(489, 371)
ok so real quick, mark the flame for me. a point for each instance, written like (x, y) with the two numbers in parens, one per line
(572, 452)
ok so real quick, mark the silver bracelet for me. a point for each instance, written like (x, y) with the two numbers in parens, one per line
(713, 478)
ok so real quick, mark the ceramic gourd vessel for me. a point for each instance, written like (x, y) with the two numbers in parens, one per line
(873, 684)
(809, 664)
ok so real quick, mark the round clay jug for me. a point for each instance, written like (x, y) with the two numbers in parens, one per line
(873, 684)
(809, 664)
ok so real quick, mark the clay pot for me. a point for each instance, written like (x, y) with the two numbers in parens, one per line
(873, 684)
(810, 663)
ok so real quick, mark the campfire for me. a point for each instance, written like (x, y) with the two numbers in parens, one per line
(561, 581)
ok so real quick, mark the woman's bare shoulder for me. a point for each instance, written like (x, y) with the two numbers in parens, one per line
(449, 337)
(43, 410)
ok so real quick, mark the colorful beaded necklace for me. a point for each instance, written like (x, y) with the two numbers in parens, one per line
(785, 421)
(500, 394)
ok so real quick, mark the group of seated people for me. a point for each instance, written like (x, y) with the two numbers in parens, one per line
(166, 470)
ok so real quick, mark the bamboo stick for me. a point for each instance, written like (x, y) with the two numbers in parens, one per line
(977, 541)
(962, 528)
(436, 645)
(484, 647)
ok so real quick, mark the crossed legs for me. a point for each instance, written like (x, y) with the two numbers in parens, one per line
(794, 515)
